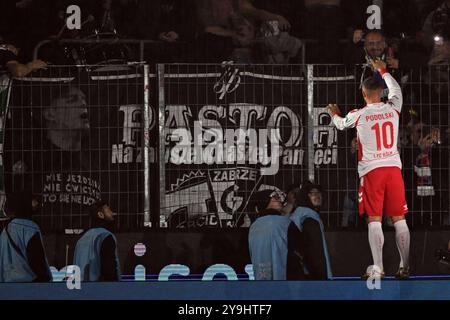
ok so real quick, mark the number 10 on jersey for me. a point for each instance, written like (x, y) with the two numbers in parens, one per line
(387, 129)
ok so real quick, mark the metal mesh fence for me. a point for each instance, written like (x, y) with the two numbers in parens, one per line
(221, 124)
(208, 138)
(335, 162)
(423, 143)
(328, 157)
(73, 137)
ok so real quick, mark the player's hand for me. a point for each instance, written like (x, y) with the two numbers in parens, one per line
(393, 63)
(378, 64)
(333, 109)
(357, 36)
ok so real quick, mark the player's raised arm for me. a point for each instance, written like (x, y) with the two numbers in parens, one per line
(395, 92)
(342, 123)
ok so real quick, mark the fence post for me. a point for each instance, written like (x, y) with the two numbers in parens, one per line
(147, 218)
(162, 142)
(310, 80)
(38, 46)
(5, 94)
(141, 51)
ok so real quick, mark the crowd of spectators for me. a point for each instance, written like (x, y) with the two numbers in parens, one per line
(245, 31)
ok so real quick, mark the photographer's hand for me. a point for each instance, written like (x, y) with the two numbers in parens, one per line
(393, 63)
(358, 36)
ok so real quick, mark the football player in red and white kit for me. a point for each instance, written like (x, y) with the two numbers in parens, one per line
(381, 189)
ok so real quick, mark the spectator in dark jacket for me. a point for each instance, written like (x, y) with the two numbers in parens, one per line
(228, 29)
(135, 18)
(399, 56)
(26, 21)
(326, 33)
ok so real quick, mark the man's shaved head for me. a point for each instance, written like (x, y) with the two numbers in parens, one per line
(372, 84)
(372, 90)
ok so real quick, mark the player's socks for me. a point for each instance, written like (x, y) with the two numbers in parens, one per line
(402, 238)
(376, 241)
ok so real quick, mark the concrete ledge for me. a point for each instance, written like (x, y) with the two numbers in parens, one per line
(232, 290)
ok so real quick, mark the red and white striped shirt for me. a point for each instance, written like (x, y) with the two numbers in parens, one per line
(377, 130)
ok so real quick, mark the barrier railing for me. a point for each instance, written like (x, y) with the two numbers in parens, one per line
(110, 48)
